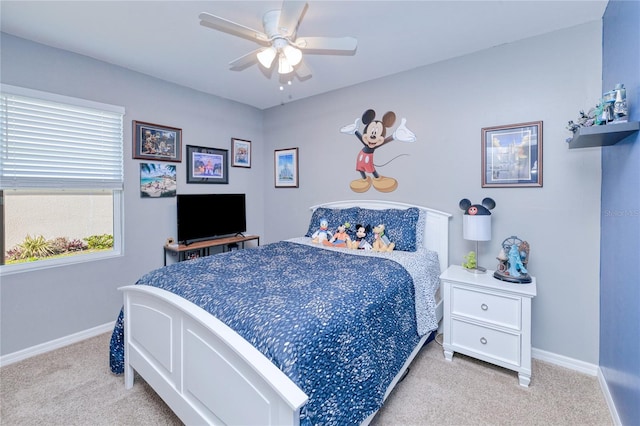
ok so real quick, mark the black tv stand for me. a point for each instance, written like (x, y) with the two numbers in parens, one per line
(203, 248)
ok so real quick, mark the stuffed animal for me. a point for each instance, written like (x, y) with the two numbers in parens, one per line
(340, 238)
(322, 234)
(360, 242)
(381, 241)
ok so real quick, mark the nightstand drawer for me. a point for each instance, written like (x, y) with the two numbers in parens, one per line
(485, 341)
(500, 310)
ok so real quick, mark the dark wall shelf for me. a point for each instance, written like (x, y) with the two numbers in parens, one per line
(608, 134)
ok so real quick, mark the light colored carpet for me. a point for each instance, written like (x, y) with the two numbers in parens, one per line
(466, 391)
(73, 386)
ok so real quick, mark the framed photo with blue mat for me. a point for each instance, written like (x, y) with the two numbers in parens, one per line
(512, 155)
(207, 165)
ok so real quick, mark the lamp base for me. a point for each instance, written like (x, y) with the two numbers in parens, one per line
(477, 270)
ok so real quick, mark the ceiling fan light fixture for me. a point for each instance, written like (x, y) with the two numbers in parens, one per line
(293, 55)
(266, 57)
(280, 31)
(284, 67)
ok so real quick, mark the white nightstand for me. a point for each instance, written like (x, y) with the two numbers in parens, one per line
(488, 319)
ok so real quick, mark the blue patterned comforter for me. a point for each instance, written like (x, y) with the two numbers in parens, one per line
(339, 324)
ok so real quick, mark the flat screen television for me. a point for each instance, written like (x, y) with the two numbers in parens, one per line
(208, 216)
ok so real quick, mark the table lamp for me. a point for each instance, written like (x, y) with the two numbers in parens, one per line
(476, 225)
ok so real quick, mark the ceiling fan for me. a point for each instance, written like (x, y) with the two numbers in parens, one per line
(279, 40)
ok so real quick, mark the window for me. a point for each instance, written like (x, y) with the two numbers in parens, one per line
(61, 179)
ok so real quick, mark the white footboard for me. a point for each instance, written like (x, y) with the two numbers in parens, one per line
(203, 370)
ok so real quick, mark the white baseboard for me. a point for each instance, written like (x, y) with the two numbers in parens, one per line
(55, 344)
(607, 397)
(564, 361)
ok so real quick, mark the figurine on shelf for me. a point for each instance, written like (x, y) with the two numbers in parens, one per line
(585, 120)
(606, 115)
(620, 109)
(513, 258)
(612, 108)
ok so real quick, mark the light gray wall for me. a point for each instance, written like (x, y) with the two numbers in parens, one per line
(548, 78)
(40, 306)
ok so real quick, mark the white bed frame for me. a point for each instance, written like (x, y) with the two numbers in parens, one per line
(206, 372)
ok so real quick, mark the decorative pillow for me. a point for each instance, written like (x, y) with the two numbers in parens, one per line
(420, 229)
(335, 217)
(400, 225)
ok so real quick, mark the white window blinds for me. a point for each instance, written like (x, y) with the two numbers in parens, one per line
(53, 141)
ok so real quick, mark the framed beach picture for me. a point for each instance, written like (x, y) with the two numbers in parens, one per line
(155, 142)
(512, 155)
(157, 180)
(240, 153)
(286, 168)
(207, 165)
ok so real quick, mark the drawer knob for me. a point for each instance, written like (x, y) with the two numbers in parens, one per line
(483, 340)
(484, 307)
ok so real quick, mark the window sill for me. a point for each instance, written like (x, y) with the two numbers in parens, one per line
(19, 268)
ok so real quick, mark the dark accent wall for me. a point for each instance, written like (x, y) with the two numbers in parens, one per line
(620, 219)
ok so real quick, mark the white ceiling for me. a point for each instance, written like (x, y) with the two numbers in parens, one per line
(164, 39)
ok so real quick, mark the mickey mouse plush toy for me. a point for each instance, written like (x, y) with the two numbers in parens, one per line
(360, 242)
(373, 137)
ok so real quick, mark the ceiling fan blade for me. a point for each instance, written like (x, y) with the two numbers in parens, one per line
(335, 45)
(224, 25)
(291, 14)
(303, 71)
(245, 61)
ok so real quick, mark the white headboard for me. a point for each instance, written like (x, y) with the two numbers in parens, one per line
(436, 228)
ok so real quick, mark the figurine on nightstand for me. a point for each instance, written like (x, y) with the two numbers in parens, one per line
(470, 261)
(513, 258)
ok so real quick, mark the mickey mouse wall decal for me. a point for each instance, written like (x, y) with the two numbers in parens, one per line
(373, 137)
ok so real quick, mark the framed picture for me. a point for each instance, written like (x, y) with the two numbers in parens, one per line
(286, 168)
(155, 142)
(158, 180)
(207, 165)
(240, 153)
(512, 155)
